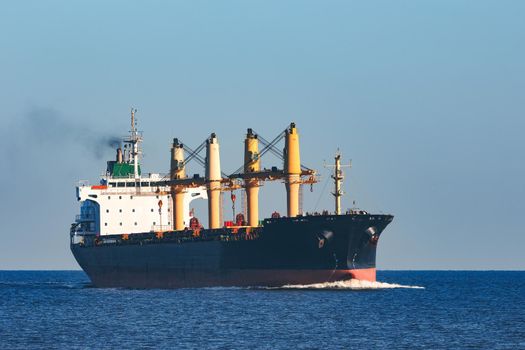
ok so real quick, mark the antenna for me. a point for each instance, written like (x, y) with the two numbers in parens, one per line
(338, 177)
(134, 140)
(133, 121)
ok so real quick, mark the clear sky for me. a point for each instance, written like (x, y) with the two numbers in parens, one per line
(426, 97)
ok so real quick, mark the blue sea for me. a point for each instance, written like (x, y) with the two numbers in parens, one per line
(404, 310)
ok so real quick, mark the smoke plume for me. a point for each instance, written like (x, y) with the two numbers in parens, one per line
(49, 130)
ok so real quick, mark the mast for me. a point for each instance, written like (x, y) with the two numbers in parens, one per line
(338, 177)
(135, 139)
(292, 170)
(252, 164)
(177, 172)
(213, 179)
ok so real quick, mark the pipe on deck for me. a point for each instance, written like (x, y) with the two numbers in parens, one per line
(119, 156)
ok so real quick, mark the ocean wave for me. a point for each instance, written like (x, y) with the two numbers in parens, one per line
(43, 285)
(352, 284)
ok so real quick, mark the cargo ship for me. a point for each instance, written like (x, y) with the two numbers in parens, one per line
(138, 230)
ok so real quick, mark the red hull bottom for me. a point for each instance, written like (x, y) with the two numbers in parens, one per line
(364, 274)
(241, 278)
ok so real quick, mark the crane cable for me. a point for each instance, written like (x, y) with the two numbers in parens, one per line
(322, 192)
(275, 151)
(194, 154)
(263, 151)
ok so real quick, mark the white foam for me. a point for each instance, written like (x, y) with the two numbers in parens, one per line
(352, 284)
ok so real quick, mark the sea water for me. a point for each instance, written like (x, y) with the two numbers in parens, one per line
(403, 310)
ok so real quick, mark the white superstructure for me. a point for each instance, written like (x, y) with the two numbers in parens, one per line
(125, 201)
(125, 206)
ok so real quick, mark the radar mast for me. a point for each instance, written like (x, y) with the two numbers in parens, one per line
(134, 140)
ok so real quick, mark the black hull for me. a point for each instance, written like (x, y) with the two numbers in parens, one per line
(303, 250)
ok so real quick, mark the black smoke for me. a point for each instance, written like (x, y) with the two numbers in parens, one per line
(51, 131)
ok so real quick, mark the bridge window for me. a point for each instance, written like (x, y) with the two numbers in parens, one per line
(120, 210)
(107, 210)
(105, 224)
(121, 184)
(120, 224)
